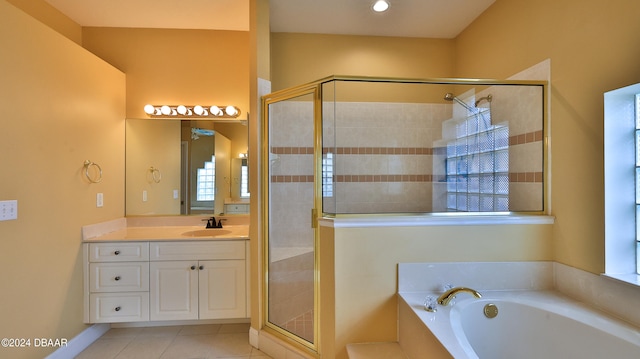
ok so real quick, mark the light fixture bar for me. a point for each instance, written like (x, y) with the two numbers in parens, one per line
(197, 111)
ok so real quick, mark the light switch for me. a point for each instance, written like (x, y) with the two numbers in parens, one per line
(144, 196)
(8, 210)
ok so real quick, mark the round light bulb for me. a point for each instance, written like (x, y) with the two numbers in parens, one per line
(380, 6)
(149, 109)
(231, 111)
(215, 110)
(182, 109)
(166, 110)
(198, 110)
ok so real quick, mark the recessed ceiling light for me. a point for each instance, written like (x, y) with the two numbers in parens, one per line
(380, 6)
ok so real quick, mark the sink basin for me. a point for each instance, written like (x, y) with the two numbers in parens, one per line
(209, 232)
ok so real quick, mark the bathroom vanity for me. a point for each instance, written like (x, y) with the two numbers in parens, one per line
(166, 273)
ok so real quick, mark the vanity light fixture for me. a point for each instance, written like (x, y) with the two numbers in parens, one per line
(380, 6)
(198, 111)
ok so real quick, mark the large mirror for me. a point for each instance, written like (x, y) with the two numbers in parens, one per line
(176, 167)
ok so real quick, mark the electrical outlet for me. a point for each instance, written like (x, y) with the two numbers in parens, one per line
(175, 194)
(8, 210)
(144, 196)
(99, 200)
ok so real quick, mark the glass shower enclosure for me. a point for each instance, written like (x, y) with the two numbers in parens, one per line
(359, 146)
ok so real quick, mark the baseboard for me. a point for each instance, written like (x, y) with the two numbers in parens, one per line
(179, 322)
(254, 337)
(80, 342)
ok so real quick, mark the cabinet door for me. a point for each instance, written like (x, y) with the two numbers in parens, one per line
(222, 289)
(173, 290)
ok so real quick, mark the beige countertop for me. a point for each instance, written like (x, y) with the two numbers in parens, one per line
(174, 233)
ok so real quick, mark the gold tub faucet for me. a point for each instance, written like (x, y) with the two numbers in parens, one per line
(447, 296)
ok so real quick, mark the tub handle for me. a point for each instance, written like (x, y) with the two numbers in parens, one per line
(430, 304)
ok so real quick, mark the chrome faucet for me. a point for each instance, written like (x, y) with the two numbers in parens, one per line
(447, 296)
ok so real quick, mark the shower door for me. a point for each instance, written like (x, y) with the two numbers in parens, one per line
(290, 223)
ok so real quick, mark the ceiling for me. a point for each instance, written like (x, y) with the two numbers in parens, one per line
(406, 18)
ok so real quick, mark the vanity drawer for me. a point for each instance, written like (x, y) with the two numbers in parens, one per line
(119, 277)
(200, 250)
(118, 252)
(119, 307)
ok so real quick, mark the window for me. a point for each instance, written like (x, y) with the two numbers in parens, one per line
(622, 182)
(206, 181)
(477, 165)
(327, 175)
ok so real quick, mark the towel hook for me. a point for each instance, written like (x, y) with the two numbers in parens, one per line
(87, 165)
(155, 174)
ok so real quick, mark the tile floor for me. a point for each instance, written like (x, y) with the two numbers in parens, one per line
(215, 341)
(301, 325)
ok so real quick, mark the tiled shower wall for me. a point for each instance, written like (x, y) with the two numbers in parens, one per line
(382, 164)
(383, 154)
(291, 257)
(521, 107)
(291, 163)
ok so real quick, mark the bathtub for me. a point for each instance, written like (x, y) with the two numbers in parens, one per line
(528, 324)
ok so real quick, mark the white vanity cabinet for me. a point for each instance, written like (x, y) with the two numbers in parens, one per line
(235, 208)
(165, 280)
(198, 280)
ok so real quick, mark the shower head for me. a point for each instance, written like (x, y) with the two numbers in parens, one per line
(489, 98)
(450, 97)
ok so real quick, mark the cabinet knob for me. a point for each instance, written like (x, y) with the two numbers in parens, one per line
(201, 267)
(193, 267)
(116, 252)
(118, 309)
(117, 278)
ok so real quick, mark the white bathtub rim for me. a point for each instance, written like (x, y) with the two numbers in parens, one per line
(443, 323)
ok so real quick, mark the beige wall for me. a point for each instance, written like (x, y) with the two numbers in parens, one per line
(59, 106)
(259, 63)
(173, 67)
(189, 67)
(50, 16)
(300, 58)
(593, 48)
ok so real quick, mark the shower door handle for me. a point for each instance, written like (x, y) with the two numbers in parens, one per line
(314, 218)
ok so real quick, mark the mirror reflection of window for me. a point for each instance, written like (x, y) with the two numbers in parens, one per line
(244, 179)
(207, 180)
